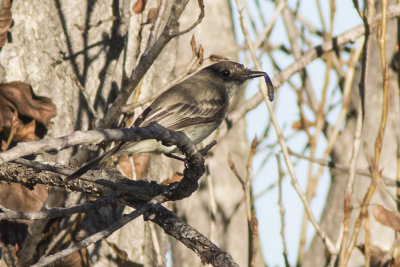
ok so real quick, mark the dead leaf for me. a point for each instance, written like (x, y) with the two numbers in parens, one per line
(386, 217)
(141, 162)
(26, 132)
(34, 113)
(75, 259)
(201, 54)
(124, 164)
(139, 6)
(151, 15)
(193, 44)
(19, 198)
(14, 126)
(5, 21)
(302, 124)
(176, 178)
(378, 256)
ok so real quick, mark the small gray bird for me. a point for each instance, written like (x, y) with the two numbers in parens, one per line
(196, 106)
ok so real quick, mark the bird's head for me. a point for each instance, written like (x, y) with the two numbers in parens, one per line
(234, 75)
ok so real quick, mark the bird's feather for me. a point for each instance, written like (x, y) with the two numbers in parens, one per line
(182, 115)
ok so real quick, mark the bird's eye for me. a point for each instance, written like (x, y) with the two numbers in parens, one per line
(225, 73)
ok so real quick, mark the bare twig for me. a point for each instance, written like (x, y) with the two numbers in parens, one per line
(156, 245)
(282, 212)
(271, 23)
(213, 207)
(59, 212)
(197, 22)
(190, 237)
(77, 138)
(252, 219)
(367, 243)
(92, 111)
(350, 182)
(333, 165)
(155, 28)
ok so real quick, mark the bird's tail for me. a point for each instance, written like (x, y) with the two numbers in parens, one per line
(92, 164)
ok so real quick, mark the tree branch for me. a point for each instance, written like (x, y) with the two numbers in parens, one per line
(208, 252)
(139, 190)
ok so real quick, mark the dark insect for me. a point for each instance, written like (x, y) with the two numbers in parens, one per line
(270, 87)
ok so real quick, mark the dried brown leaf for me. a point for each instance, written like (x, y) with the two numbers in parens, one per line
(139, 6)
(193, 44)
(176, 178)
(151, 15)
(201, 55)
(26, 133)
(386, 217)
(124, 164)
(377, 254)
(141, 162)
(230, 162)
(13, 130)
(302, 124)
(19, 198)
(76, 259)
(18, 97)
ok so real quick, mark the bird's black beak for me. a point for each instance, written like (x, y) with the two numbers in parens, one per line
(254, 74)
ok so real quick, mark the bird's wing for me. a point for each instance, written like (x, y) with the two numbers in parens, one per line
(181, 115)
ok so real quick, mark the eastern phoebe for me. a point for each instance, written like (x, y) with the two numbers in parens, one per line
(196, 106)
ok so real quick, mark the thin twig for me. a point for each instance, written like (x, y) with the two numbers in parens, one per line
(197, 22)
(213, 207)
(267, 29)
(249, 198)
(350, 182)
(92, 111)
(333, 165)
(59, 212)
(155, 28)
(156, 245)
(282, 211)
(367, 243)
